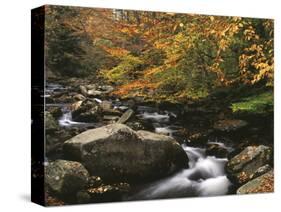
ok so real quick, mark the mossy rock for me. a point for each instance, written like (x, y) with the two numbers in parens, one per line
(243, 167)
(262, 184)
(65, 178)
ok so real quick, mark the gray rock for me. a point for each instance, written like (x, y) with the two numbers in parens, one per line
(50, 123)
(111, 112)
(241, 168)
(76, 105)
(94, 93)
(83, 90)
(262, 170)
(55, 140)
(79, 97)
(91, 86)
(117, 153)
(216, 150)
(126, 116)
(55, 111)
(135, 125)
(110, 118)
(106, 105)
(87, 111)
(65, 177)
(106, 88)
(123, 108)
(261, 184)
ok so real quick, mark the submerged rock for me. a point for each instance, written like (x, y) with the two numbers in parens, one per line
(117, 153)
(242, 167)
(198, 138)
(262, 184)
(216, 150)
(65, 178)
(228, 125)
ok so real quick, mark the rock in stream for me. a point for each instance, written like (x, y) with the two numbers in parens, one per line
(117, 153)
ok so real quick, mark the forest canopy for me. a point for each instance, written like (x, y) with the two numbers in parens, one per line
(160, 55)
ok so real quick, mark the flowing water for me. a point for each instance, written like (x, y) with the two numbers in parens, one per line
(205, 175)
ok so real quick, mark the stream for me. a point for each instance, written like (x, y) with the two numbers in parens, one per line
(205, 175)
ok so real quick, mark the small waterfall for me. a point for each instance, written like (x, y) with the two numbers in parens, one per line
(161, 120)
(205, 177)
(66, 119)
(154, 116)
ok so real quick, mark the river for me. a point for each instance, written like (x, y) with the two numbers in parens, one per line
(205, 175)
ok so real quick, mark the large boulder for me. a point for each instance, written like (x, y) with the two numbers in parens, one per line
(117, 153)
(65, 178)
(244, 166)
(262, 184)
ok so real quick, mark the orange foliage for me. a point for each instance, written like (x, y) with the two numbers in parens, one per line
(116, 51)
(135, 85)
(150, 71)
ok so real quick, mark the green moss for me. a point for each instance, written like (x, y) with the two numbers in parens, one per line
(125, 70)
(258, 104)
